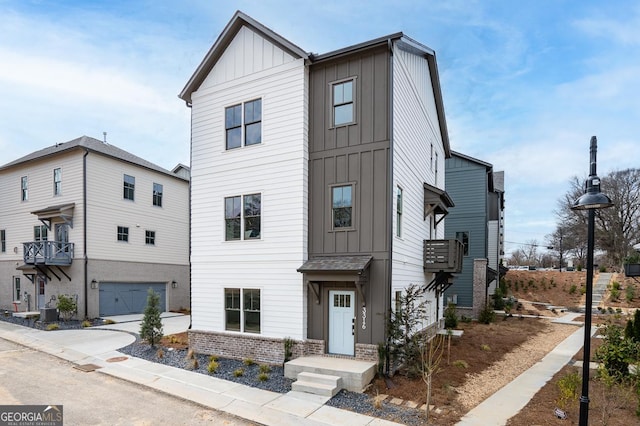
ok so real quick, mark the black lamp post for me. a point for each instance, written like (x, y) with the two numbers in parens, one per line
(591, 200)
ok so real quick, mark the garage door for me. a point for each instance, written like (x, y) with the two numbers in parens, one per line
(128, 298)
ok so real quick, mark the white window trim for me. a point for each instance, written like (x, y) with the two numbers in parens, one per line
(242, 217)
(242, 321)
(332, 228)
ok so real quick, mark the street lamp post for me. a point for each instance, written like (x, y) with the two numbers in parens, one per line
(591, 200)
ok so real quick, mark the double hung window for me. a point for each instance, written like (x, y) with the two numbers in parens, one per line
(40, 233)
(57, 181)
(129, 187)
(242, 310)
(24, 188)
(342, 206)
(157, 194)
(243, 124)
(3, 241)
(343, 105)
(242, 216)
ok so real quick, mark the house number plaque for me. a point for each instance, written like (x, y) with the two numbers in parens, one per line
(364, 318)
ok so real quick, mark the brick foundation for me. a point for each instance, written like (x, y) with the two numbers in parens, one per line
(264, 349)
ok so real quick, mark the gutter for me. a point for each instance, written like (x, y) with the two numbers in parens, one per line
(84, 231)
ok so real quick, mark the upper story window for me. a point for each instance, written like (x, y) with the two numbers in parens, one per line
(342, 206)
(24, 188)
(123, 234)
(40, 233)
(436, 172)
(242, 216)
(157, 194)
(3, 241)
(399, 213)
(57, 181)
(150, 238)
(249, 114)
(129, 187)
(343, 96)
(463, 237)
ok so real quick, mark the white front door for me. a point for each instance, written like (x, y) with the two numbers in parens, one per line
(341, 322)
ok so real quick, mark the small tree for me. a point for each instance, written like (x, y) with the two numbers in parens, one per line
(431, 352)
(151, 327)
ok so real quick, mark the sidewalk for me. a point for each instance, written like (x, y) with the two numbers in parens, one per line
(97, 347)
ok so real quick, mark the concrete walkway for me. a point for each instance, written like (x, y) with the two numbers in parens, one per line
(509, 400)
(599, 287)
(99, 345)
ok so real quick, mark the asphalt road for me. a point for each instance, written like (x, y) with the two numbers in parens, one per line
(31, 377)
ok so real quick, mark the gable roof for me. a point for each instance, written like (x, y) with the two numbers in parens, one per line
(238, 20)
(92, 145)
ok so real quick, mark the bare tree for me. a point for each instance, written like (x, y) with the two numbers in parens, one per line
(431, 354)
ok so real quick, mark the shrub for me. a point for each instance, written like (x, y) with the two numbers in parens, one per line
(615, 294)
(238, 372)
(498, 301)
(487, 315)
(603, 269)
(630, 293)
(450, 316)
(579, 268)
(615, 285)
(53, 326)
(67, 306)
(616, 352)
(568, 386)
(109, 322)
(573, 289)
(486, 348)
(288, 348)
(460, 363)
(264, 368)
(213, 358)
(263, 377)
(86, 323)
(248, 362)
(213, 367)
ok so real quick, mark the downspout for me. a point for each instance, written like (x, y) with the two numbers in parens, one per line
(189, 105)
(84, 231)
(391, 200)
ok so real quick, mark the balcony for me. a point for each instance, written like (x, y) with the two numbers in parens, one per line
(443, 256)
(48, 253)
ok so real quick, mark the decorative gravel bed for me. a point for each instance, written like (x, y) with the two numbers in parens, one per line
(353, 401)
(36, 323)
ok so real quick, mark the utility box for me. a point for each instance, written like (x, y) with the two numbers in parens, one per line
(48, 314)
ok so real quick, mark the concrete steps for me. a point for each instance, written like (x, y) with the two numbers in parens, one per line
(355, 374)
(318, 384)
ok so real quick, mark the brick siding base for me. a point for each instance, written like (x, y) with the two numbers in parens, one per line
(264, 349)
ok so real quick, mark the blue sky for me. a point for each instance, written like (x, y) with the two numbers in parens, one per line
(525, 84)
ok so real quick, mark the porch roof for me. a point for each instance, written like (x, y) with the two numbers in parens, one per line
(62, 211)
(336, 264)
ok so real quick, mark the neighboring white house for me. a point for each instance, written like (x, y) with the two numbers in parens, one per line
(90, 220)
(315, 192)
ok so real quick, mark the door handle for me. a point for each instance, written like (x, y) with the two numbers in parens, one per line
(353, 326)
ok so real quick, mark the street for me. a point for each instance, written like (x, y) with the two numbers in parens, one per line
(90, 398)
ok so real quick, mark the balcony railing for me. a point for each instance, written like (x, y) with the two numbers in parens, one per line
(443, 255)
(47, 253)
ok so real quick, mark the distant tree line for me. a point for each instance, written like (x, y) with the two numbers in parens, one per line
(617, 228)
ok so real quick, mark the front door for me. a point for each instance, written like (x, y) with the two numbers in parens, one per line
(342, 322)
(40, 291)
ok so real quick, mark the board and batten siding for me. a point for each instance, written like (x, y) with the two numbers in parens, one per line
(415, 131)
(467, 186)
(107, 209)
(276, 168)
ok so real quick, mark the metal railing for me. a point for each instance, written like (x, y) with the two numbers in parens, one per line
(47, 252)
(443, 255)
